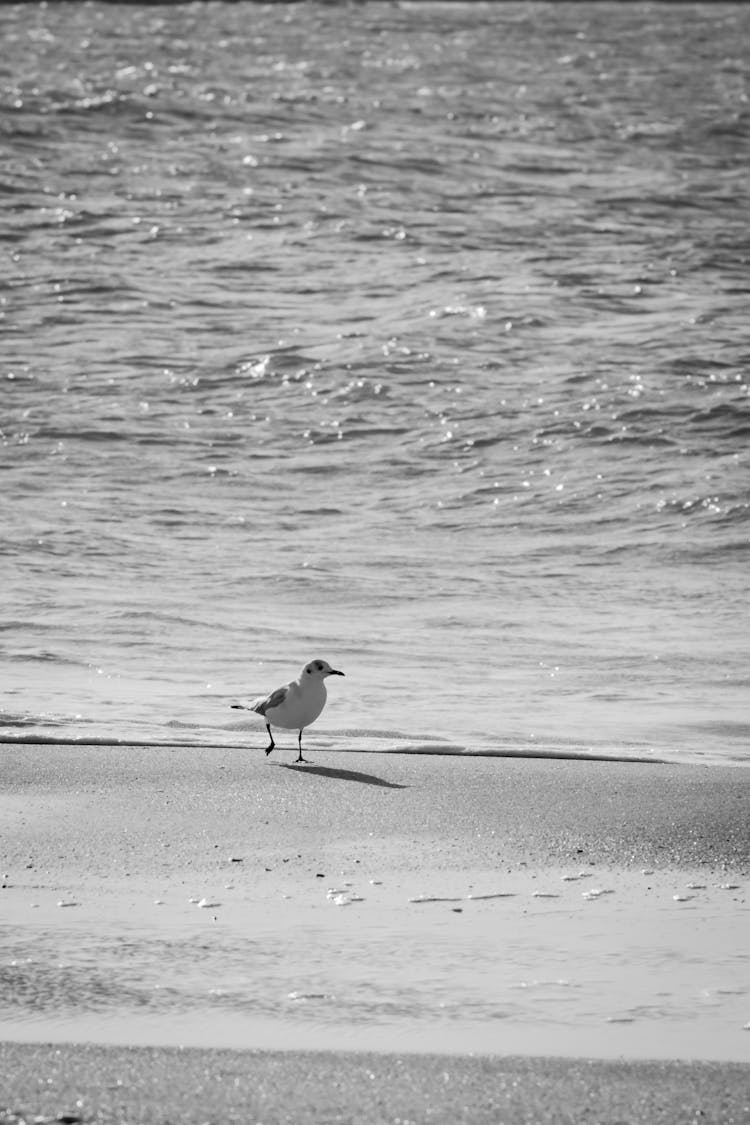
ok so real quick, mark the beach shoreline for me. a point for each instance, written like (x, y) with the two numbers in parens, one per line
(430, 906)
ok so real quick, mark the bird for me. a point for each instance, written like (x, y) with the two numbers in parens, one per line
(295, 705)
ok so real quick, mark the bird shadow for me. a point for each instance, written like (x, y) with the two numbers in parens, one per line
(342, 775)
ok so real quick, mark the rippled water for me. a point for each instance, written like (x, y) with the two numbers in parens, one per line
(412, 336)
(542, 972)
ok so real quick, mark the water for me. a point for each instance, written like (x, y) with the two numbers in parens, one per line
(410, 336)
(523, 972)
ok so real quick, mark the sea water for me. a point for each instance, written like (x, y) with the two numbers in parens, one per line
(411, 336)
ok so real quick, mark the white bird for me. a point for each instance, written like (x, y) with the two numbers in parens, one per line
(295, 705)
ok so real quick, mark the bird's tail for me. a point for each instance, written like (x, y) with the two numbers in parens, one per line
(247, 707)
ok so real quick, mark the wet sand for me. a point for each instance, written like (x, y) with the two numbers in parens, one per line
(102, 813)
(422, 908)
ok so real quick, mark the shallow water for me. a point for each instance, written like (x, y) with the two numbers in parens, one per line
(412, 336)
(539, 968)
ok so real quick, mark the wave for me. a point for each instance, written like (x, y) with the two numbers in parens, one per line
(433, 748)
(49, 657)
(10, 720)
(156, 744)
(529, 752)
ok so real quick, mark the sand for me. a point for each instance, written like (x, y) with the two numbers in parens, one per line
(414, 910)
(103, 812)
(92, 1084)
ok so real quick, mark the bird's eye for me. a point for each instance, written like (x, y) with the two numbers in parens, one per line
(309, 671)
(319, 666)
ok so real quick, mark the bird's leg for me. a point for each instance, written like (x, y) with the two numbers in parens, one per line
(299, 743)
(269, 748)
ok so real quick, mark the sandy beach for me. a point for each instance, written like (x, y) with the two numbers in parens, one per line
(97, 1084)
(496, 920)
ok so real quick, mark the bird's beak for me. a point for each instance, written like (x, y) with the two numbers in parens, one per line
(333, 672)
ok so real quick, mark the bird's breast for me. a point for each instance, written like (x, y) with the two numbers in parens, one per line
(300, 708)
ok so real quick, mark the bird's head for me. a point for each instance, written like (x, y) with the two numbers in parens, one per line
(320, 669)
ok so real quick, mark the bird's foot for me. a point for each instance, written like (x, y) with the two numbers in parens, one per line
(301, 759)
(270, 748)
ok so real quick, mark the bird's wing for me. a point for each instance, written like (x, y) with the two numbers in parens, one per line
(271, 701)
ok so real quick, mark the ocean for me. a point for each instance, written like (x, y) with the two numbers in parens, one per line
(412, 336)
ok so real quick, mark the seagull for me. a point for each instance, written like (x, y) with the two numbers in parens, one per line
(296, 704)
